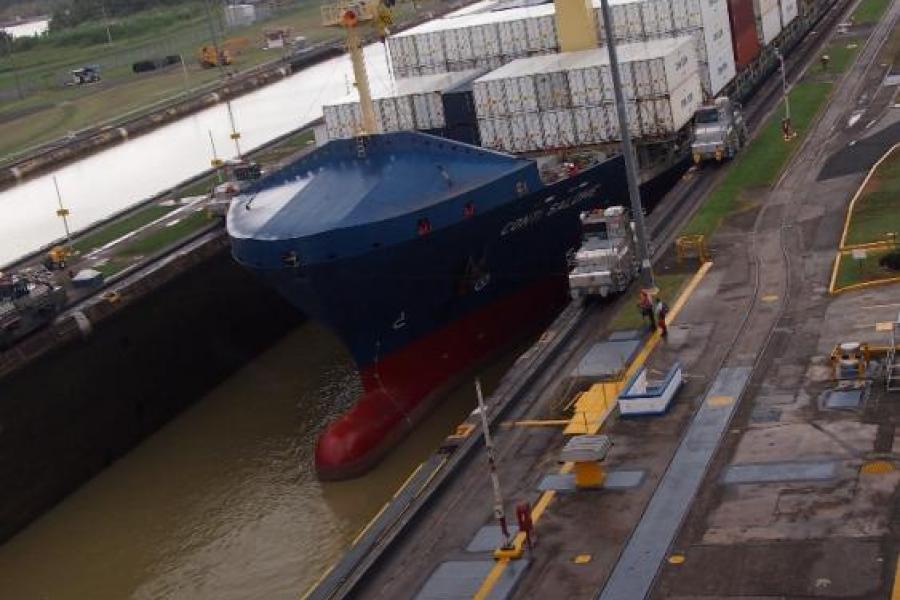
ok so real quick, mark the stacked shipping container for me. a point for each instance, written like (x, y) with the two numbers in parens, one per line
(789, 11)
(495, 38)
(566, 100)
(743, 32)
(768, 20)
(413, 104)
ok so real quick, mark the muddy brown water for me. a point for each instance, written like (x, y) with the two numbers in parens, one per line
(222, 503)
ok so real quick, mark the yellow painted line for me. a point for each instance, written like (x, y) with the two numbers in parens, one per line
(408, 479)
(369, 525)
(540, 423)
(863, 285)
(316, 584)
(582, 559)
(832, 289)
(895, 593)
(491, 580)
(720, 400)
(859, 192)
(546, 497)
(769, 298)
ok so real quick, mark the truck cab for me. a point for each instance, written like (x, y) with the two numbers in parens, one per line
(719, 131)
(607, 260)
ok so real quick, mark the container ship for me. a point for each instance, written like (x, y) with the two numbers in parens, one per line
(432, 224)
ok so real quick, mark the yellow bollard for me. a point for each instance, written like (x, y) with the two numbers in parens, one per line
(589, 474)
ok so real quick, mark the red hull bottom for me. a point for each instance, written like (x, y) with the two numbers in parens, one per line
(401, 388)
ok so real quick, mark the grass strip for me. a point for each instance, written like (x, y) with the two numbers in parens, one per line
(628, 315)
(853, 271)
(760, 164)
(877, 211)
(117, 229)
(869, 11)
(167, 236)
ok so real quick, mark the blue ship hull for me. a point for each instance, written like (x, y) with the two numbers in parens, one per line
(416, 302)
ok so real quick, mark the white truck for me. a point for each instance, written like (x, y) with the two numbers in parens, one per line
(719, 131)
(607, 260)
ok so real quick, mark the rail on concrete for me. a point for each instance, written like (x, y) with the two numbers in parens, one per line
(434, 474)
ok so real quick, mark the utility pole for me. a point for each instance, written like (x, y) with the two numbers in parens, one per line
(216, 162)
(184, 72)
(786, 128)
(109, 39)
(214, 35)
(631, 173)
(62, 212)
(234, 132)
(499, 513)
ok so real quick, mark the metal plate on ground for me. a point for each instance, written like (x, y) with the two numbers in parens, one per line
(843, 399)
(765, 414)
(489, 538)
(636, 569)
(458, 579)
(606, 359)
(780, 472)
(615, 480)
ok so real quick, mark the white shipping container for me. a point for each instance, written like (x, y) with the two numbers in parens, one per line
(549, 39)
(435, 110)
(552, 90)
(464, 44)
(406, 118)
(559, 129)
(518, 133)
(535, 130)
(769, 25)
(503, 134)
(451, 45)
(768, 20)
(789, 11)
(386, 115)
(513, 103)
(487, 133)
(718, 53)
(528, 93)
(585, 132)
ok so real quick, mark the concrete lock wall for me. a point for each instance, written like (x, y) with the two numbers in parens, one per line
(72, 413)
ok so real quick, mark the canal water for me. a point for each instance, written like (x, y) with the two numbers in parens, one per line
(121, 176)
(222, 503)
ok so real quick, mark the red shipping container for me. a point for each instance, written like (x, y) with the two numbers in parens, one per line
(743, 32)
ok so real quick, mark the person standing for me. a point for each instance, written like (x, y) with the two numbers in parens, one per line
(645, 305)
(662, 311)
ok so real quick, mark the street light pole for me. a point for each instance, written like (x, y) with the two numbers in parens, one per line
(62, 212)
(634, 194)
(784, 87)
(499, 512)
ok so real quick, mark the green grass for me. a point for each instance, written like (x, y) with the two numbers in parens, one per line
(869, 11)
(629, 317)
(840, 55)
(117, 229)
(198, 188)
(51, 110)
(287, 147)
(112, 266)
(852, 271)
(877, 211)
(760, 164)
(167, 236)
